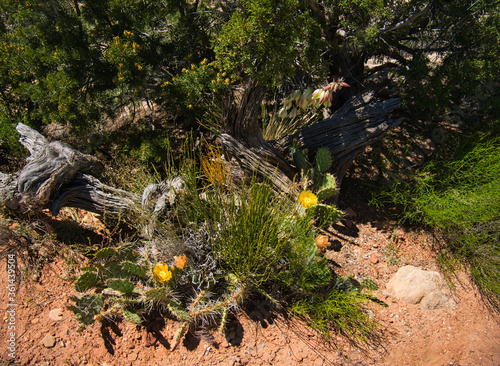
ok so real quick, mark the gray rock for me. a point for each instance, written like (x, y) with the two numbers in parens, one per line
(416, 286)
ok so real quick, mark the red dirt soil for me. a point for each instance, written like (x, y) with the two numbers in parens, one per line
(468, 334)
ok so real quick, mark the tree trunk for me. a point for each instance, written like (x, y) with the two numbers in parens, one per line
(360, 122)
(242, 138)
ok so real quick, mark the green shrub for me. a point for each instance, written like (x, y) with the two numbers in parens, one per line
(227, 243)
(461, 197)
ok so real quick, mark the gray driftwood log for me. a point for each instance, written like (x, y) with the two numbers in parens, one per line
(56, 176)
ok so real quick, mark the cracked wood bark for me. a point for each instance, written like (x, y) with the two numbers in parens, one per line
(57, 176)
(360, 122)
(363, 120)
(242, 138)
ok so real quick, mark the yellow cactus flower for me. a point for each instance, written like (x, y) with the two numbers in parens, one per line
(308, 199)
(180, 262)
(161, 272)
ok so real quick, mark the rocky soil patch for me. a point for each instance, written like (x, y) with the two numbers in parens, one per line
(367, 245)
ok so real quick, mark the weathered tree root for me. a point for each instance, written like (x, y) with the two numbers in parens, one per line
(58, 176)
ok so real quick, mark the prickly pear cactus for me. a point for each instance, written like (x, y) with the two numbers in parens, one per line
(86, 281)
(157, 294)
(87, 307)
(134, 269)
(132, 317)
(106, 253)
(323, 159)
(120, 285)
(326, 193)
(299, 159)
(328, 187)
(326, 214)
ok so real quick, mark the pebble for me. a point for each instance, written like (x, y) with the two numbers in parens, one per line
(48, 341)
(374, 259)
(56, 314)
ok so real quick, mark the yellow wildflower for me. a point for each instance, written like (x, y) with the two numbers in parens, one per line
(161, 272)
(308, 199)
(180, 262)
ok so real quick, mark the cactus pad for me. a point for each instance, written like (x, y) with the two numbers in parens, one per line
(178, 311)
(326, 214)
(106, 253)
(113, 270)
(326, 193)
(87, 307)
(121, 285)
(132, 317)
(157, 294)
(134, 269)
(299, 159)
(323, 159)
(328, 182)
(86, 281)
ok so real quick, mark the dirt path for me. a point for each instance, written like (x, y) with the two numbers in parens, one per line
(467, 334)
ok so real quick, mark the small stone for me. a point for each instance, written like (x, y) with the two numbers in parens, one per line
(374, 259)
(56, 314)
(349, 212)
(150, 340)
(48, 341)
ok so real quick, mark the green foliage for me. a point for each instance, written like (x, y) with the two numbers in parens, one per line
(86, 281)
(336, 310)
(461, 197)
(265, 38)
(79, 63)
(196, 85)
(325, 214)
(324, 184)
(123, 286)
(238, 242)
